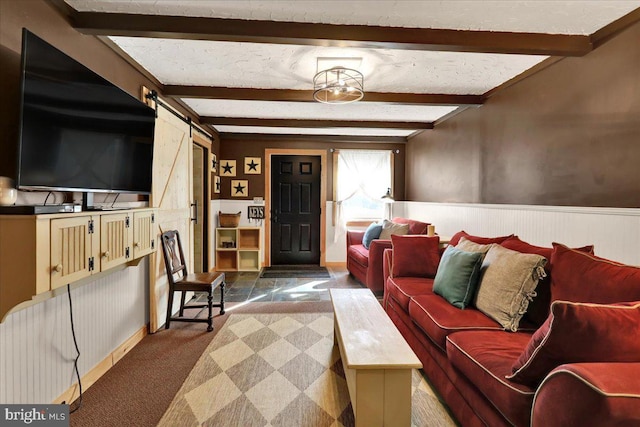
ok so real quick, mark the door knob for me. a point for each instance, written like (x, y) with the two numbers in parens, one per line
(105, 254)
(58, 268)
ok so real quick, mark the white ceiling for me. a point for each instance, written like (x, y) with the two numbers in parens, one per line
(279, 66)
(538, 16)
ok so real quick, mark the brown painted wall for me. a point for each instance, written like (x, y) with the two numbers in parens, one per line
(46, 22)
(568, 135)
(239, 148)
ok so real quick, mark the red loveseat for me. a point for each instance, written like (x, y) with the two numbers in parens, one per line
(467, 356)
(366, 264)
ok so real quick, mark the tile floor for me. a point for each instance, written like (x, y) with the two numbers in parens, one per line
(247, 286)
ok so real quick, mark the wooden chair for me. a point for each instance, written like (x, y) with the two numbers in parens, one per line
(184, 282)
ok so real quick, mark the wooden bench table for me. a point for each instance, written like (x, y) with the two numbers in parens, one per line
(377, 360)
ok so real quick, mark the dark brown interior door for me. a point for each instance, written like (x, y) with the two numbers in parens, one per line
(295, 210)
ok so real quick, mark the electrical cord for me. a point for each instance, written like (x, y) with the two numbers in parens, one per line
(114, 200)
(75, 342)
(47, 198)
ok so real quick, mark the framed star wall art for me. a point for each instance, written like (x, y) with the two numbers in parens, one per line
(214, 163)
(227, 167)
(239, 188)
(252, 165)
(216, 184)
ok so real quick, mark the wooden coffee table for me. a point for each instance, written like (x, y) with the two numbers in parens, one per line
(377, 360)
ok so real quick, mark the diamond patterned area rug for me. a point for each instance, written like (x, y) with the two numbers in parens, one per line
(278, 370)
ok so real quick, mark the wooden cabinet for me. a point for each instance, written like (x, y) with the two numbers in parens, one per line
(74, 249)
(238, 249)
(116, 239)
(144, 233)
(40, 253)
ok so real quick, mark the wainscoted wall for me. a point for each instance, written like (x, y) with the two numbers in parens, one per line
(36, 345)
(614, 232)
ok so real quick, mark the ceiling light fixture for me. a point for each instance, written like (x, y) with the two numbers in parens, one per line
(338, 85)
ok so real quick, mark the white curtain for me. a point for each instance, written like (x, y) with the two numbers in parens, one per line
(361, 173)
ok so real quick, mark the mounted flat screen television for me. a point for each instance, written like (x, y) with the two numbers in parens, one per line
(78, 131)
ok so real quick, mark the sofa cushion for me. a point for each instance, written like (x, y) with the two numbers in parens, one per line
(508, 283)
(372, 232)
(389, 228)
(582, 277)
(538, 310)
(415, 256)
(402, 289)
(437, 318)
(477, 239)
(415, 227)
(467, 245)
(359, 254)
(457, 276)
(580, 332)
(484, 357)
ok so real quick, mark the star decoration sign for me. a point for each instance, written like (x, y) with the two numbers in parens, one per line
(252, 165)
(239, 188)
(216, 188)
(214, 163)
(228, 167)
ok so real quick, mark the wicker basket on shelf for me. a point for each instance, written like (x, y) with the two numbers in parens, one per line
(229, 220)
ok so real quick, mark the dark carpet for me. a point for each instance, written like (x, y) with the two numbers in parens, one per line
(295, 271)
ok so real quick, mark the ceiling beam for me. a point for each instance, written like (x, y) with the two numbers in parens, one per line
(304, 123)
(313, 34)
(251, 94)
(315, 138)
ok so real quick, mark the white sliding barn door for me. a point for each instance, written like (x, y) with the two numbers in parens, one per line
(171, 194)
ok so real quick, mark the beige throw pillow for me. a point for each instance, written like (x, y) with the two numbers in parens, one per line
(468, 246)
(508, 284)
(389, 228)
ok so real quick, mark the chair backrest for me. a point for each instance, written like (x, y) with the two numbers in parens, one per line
(173, 254)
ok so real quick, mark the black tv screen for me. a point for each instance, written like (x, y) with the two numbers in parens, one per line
(78, 131)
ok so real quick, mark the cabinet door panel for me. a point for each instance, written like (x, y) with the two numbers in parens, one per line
(144, 233)
(71, 250)
(115, 240)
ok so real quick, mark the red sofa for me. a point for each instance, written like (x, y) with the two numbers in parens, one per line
(467, 356)
(366, 264)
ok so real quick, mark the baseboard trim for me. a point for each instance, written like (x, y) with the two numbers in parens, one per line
(73, 392)
(336, 264)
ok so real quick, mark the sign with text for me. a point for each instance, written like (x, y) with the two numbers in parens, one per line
(34, 415)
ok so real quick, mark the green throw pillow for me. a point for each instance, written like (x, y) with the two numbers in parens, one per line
(457, 276)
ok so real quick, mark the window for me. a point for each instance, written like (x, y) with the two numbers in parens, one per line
(362, 177)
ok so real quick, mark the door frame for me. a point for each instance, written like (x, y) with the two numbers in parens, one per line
(200, 140)
(268, 152)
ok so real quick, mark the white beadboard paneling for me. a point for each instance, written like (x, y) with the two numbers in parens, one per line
(336, 247)
(36, 345)
(614, 232)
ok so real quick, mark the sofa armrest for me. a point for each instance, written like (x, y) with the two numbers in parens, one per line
(375, 269)
(354, 237)
(387, 270)
(387, 264)
(589, 394)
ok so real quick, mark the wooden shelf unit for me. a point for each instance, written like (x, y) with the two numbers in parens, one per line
(40, 253)
(243, 252)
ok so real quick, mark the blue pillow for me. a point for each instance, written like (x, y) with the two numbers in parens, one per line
(373, 232)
